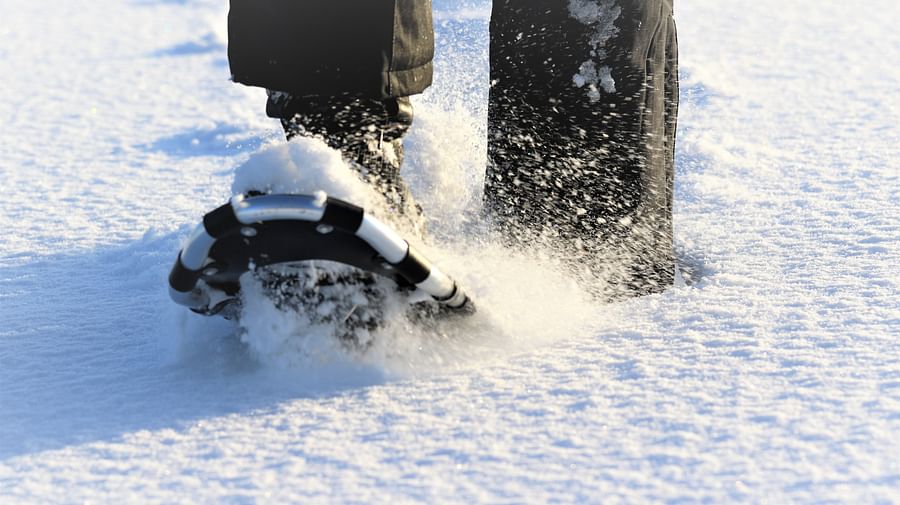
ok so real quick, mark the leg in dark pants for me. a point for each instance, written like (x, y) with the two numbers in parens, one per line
(581, 133)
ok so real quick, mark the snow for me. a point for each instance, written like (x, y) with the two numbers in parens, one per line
(771, 375)
(303, 166)
(601, 16)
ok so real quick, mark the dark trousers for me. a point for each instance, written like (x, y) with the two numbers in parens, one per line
(582, 116)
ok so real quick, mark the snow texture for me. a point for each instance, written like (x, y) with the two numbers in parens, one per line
(771, 375)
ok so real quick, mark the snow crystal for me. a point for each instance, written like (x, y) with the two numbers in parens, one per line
(600, 16)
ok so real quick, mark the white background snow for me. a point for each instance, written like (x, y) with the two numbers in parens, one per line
(775, 377)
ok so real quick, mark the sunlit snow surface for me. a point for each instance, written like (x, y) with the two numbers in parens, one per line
(774, 377)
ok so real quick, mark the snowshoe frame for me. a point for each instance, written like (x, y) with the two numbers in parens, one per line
(258, 231)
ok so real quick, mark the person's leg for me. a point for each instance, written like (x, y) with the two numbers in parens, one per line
(343, 70)
(581, 132)
(346, 69)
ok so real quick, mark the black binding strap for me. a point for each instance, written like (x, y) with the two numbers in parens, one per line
(342, 215)
(183, 279)
(221, 221)
(414, 267)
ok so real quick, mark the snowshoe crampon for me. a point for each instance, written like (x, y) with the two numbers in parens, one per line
(262, 233)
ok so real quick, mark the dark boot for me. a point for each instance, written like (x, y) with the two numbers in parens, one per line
(581, 134)
(368, 133)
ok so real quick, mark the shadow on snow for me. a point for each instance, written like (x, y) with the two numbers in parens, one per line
(223, 140)
(100, 356)
(206, 45)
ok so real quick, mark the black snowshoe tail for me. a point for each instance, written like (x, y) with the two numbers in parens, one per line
(259, 231)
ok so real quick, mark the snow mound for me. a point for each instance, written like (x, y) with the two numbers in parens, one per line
(303, 166)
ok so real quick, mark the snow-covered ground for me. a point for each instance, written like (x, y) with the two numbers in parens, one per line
(774, 377)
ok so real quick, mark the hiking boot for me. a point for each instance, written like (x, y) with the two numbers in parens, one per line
(368, 133)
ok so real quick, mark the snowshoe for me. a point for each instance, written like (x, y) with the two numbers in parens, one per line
(283, 240)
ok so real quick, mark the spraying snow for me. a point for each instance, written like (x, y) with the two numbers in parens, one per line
(524, 288)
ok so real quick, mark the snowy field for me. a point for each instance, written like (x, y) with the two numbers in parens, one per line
(774, 377)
